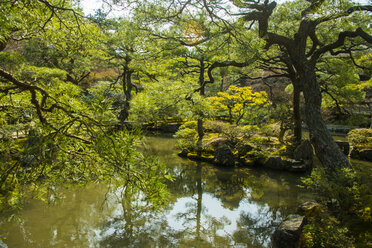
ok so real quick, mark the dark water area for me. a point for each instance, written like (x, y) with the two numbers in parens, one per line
(209, 207)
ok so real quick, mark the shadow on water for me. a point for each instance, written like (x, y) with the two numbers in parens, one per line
(209, 207)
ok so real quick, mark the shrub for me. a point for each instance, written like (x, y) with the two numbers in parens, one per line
(217, 126)
(325, 232)
(187, 135)
(360, 137)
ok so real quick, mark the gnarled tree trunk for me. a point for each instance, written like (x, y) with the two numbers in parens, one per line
(329, 154)
(297, 128)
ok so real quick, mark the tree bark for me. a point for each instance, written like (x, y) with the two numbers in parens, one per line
(297, 128)
(329, 154)
(200, 119)
(127, 89)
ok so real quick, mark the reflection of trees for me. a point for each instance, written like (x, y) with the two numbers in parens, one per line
(228, 186)
(198, 178)
(137, 226)
(199, 233)
(256, 230)
(259, 198)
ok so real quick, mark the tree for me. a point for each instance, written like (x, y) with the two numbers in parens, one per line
(133, 52)
(52, 132)
(304, 60)
(240, 102)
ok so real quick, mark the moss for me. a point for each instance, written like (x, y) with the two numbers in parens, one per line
(248, 162)
(205, 157)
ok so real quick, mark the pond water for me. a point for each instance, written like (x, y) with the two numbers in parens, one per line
(209, 207)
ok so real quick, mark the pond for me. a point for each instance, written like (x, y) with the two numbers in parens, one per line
(209, 207)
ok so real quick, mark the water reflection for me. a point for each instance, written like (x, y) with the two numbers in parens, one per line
(209, 207)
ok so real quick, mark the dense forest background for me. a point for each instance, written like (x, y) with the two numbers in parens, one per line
(76, 90)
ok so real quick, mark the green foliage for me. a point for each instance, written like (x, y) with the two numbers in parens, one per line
(11, 61)
(326, 233)
(187, 135)
(357, 119)
(162, 100)
(55, 134)
(340, 82)
(349, 202)
(42, 164)
(341, 187)
(217, 126)
(124, 166)
(103, 99)
(361, 138)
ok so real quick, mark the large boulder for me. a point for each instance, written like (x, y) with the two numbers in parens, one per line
(288, 233)
(304, 152)
(213, 144)
(224, 156)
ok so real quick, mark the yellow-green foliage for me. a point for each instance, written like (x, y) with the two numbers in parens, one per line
(237, 100)
(360, 137)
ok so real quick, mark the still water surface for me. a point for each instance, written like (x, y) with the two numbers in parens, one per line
(209, 207)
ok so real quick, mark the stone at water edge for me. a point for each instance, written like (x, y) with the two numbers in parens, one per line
(311, 209)
(184, 153)
(274, 162)
(224, 156)
(287, 234)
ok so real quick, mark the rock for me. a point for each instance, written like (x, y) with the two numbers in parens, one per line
(213, 144)
(244, 148)
(247, 162)
(288, 233)
(295, 166)
(200, 158)
(310, 209)
(224, 156)
(365, 154)
(304, 152)
(184, 153)
(274, 162)
(344, 145)
(333, 204)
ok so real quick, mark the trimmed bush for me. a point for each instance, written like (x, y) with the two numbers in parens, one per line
(361, 138)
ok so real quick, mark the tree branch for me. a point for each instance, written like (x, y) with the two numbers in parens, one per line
(340, 42)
